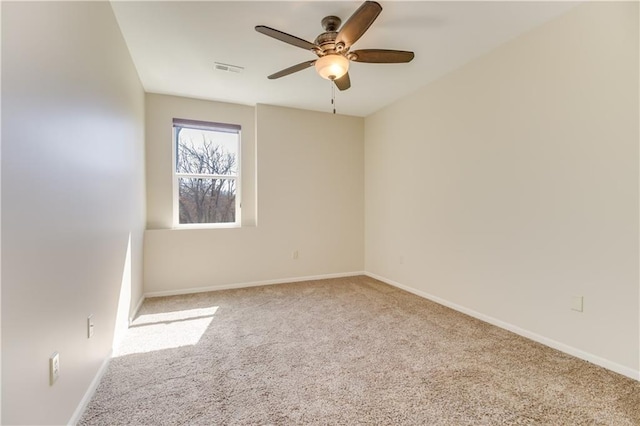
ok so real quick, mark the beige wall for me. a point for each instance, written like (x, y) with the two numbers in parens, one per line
(72, 199)
(511, 185)
(309, 198)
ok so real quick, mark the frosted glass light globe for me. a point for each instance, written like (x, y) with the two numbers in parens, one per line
(332, 66)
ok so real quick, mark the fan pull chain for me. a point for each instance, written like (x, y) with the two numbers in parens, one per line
(333, 96)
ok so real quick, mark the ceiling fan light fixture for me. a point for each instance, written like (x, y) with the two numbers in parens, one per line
(332, 66)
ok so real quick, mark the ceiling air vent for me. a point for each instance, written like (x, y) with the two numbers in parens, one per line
(228, 68)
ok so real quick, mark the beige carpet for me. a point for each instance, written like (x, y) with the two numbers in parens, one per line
(342, 352)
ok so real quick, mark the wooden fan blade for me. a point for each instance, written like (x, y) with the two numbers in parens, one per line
(287, 38)
(358, 23)
(343, 83)
(291, 70)
(381, 56)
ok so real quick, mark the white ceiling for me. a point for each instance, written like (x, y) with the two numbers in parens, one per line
(174, 45)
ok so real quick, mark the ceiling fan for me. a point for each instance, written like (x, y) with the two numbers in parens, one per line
(333, 46)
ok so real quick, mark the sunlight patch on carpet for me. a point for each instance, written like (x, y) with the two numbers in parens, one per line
(166, 330)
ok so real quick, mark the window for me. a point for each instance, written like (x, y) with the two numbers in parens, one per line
(206, 174)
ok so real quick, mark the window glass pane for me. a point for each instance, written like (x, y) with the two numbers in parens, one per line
(206, 152)
(204, 200)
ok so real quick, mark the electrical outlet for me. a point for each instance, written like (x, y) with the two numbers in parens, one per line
(295, 254)
(90, 326)
(54, 367)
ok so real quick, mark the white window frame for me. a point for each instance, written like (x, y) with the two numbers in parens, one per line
(211, 126)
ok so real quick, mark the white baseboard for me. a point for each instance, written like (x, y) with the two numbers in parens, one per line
(91, 390)
(250, 284)
(586, 356)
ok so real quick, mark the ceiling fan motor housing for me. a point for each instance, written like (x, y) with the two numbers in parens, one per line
(327, 40)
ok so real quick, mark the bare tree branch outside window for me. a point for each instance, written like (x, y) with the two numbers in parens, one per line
(207, 171)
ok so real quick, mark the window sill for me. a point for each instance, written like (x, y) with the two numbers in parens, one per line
(207, 226)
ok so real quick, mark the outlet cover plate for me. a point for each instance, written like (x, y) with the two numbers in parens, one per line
(90, 326)
(54, 367)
